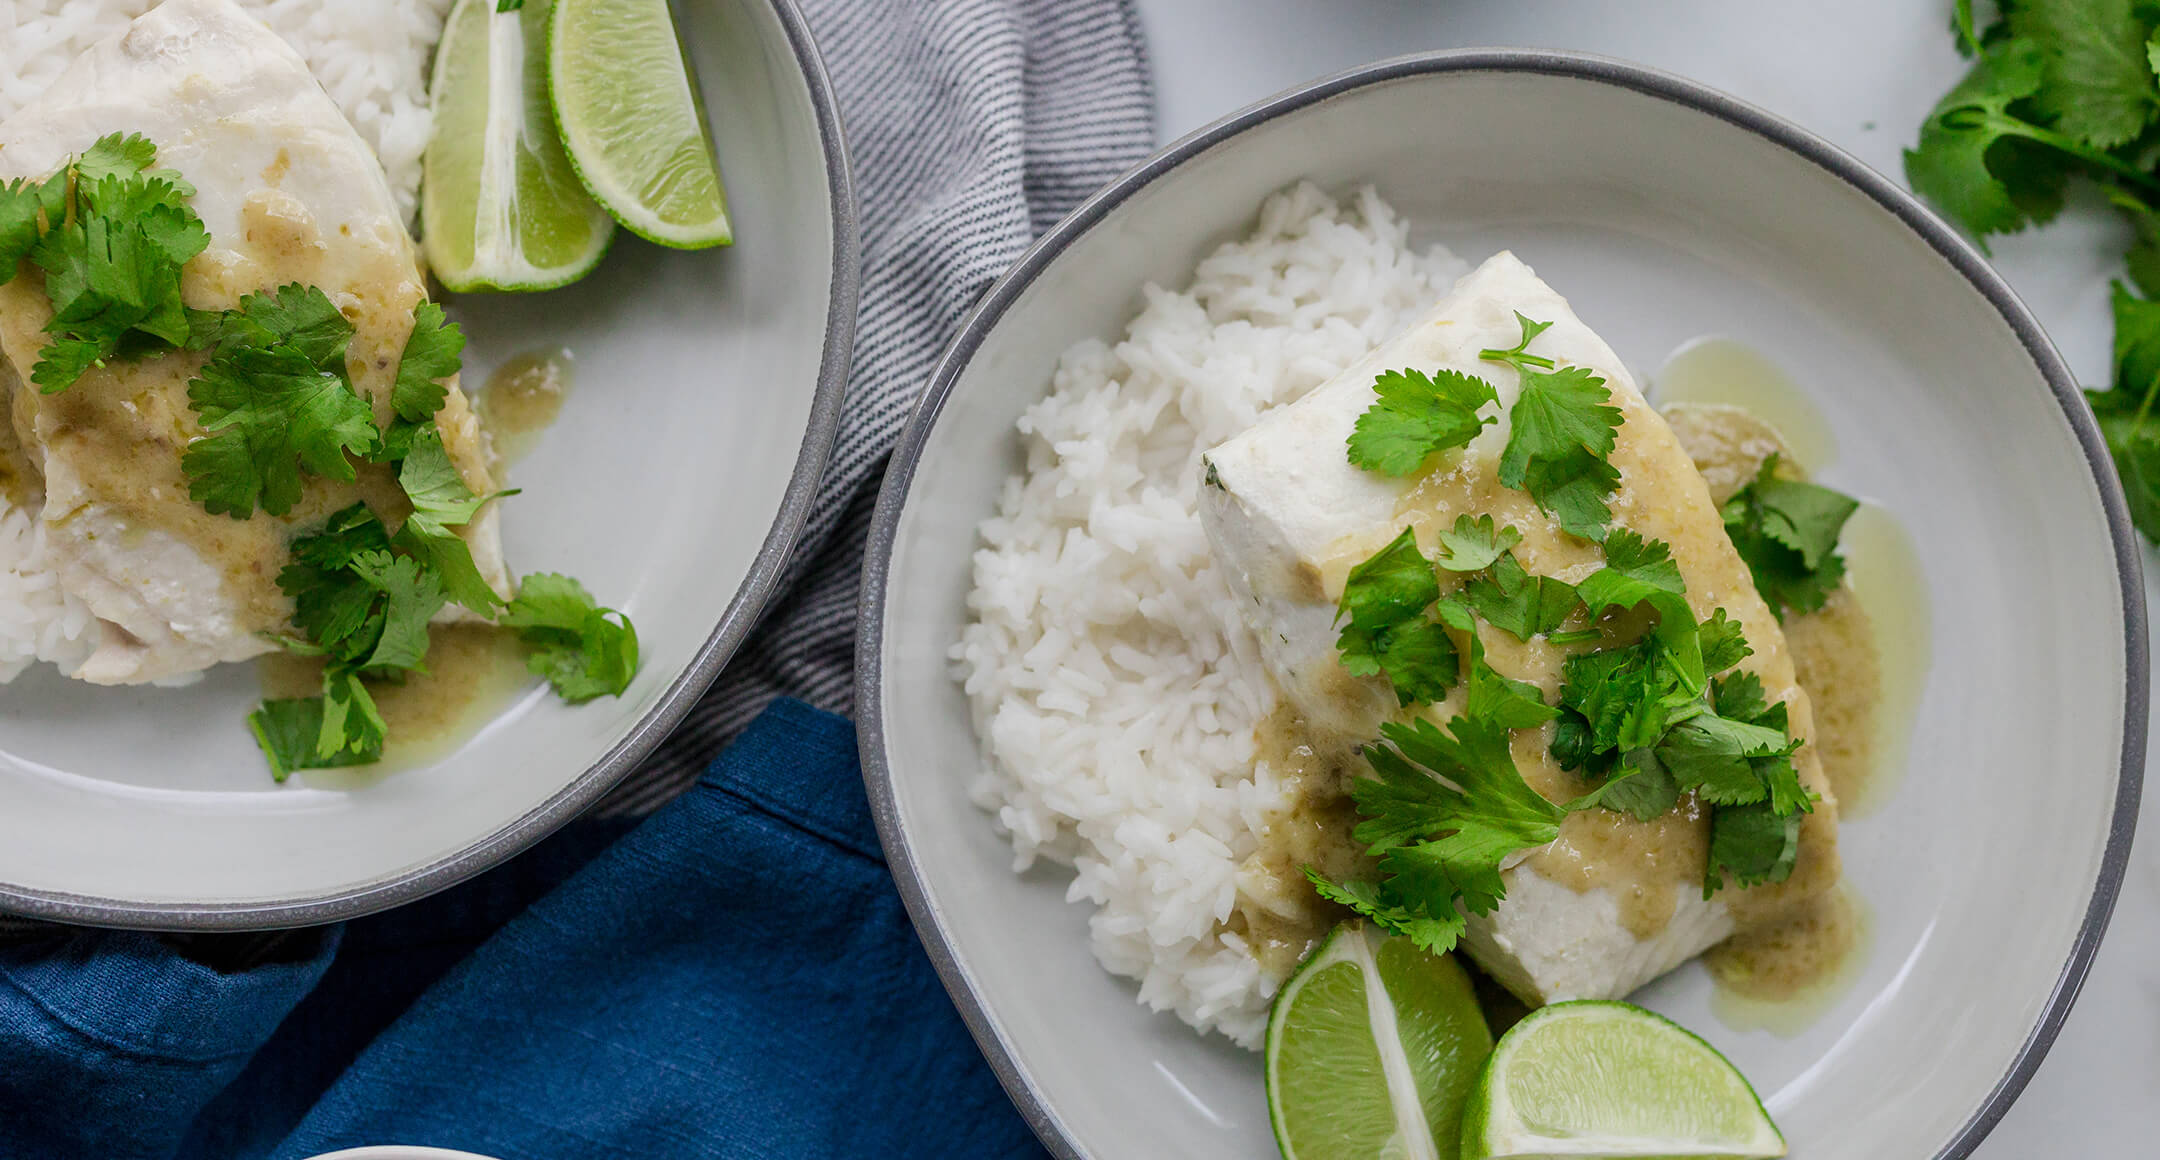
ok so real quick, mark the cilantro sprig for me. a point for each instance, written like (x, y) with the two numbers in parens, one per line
(1447, 806)
(1787, 533)
(1417, 415)
(1562, 430)
(1385, 601)
(2063, 91)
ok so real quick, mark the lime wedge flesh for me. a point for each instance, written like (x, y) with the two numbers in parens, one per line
(634, 122)
(1371, 1047)
(1604, 1079)
(500, 206)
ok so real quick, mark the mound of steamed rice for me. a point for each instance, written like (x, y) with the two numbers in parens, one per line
(371, 57)
(1114, 686)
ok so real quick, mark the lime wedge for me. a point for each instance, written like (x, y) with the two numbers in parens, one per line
(1602, 1079)
(500, 206)
(1370, 1048)
(635, 125)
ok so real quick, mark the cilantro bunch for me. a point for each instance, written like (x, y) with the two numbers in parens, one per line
(2064, 90)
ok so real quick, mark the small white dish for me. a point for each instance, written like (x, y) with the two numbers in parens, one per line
(673, 485)
(1663, 210)
(399, 1152)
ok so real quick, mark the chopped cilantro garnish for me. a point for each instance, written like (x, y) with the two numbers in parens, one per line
(111, 234)
(1388, 634)
(1787, 532)
(1416, 415)
(1639, 571)
(584, 650)
(1562, 429)
(354, 599)
(1447, 807)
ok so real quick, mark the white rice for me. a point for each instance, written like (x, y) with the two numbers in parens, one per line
(371, 55)
(373, 59)
(1114, 686)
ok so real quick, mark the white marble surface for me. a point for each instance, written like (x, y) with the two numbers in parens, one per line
(1862, 73)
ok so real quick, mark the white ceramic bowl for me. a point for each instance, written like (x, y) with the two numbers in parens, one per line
(1663, 211)
(674, 485)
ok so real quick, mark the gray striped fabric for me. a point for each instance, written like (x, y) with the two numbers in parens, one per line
(973, 125)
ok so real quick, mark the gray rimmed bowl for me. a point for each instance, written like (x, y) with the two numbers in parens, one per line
(1665, 211)
(674, 485)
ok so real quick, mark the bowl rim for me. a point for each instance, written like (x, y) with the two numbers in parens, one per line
(743, 611)
(988, 1030)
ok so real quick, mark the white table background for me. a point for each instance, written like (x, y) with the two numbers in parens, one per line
(1862, 73)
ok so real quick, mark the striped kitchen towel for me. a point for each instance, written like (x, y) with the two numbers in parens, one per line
(973, 126)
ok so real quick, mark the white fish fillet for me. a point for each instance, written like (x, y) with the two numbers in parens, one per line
(289, 193)
(1287, 513)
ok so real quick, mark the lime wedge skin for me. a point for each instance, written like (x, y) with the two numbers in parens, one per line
(1329, 1056)
(630, 112)
(1605, 1080)
(500, 206)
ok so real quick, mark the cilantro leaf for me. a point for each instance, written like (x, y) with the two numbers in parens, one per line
(1642, 788)
(1950, 166)
(357, 602)
(1722, 642)
(269, 413)
(1389, 587)
(1787, 532)
(1639, 571)
(1714, 756)
(1562, 429)
(441, 503)
(584, 650)
(1417, 415)
(351, 725)
(2098, 79)
(1754, 843)
(432, 354)
(1501, 700)
(1434, 933)
(1473, 545)
(1385, 598)
(412, 596)
(290, 730)
(1517, 603)
(22, 207)
(300, 317)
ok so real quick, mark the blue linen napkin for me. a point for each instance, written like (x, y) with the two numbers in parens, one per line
(734, 977)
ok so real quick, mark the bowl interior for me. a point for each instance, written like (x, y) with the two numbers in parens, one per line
(698, 377)
(1661, 222)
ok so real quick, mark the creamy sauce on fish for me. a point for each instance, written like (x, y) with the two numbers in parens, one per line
(123, 427)
(473, 672)
(1798, 941)
(522, 399)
